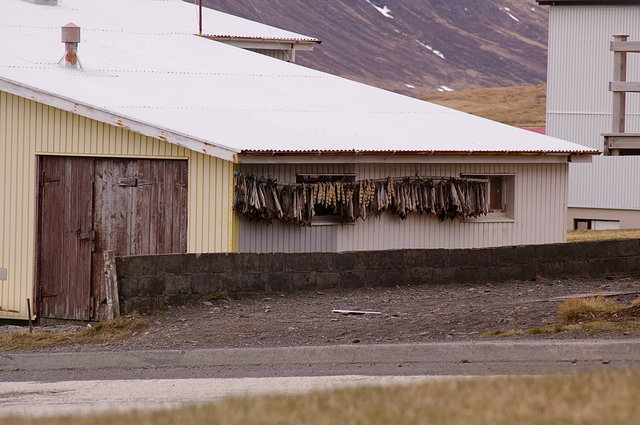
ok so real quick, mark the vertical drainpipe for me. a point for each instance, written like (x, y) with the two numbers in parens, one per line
(71, 38)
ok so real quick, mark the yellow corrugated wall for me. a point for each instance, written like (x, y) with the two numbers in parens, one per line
(29, 128)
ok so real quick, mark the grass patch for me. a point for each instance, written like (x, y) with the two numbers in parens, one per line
(582, 398)
(501, 334)
(579, 309)
(522, 106)
(108, 330)
(592, 315)
(602, 235)
(517, 332)
(599, 326)
(547, 330)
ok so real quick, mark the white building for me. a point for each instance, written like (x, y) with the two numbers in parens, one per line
(604, 193)
(135, 151)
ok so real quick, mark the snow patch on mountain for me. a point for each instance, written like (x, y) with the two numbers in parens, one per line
(508, 12)
(431, 49)
(382, 9)
(445, 89)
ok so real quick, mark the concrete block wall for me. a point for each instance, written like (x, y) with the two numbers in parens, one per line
(152, 281)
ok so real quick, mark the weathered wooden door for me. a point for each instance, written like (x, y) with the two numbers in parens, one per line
(65, 237)
(92, 205)
(140, 208)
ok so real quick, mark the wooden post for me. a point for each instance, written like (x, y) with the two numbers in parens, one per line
(619, 74)
(29, 313)
(110, 282)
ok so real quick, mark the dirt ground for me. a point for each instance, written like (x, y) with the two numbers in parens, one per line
(411, 314)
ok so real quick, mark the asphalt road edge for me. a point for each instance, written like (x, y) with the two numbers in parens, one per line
(447, 352)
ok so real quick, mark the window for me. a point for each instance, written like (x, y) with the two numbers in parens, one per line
(497, 195)
(325, 216)
(500, 195)
(589, 224)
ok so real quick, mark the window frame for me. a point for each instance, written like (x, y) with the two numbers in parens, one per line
(506, 215)
(325, 219)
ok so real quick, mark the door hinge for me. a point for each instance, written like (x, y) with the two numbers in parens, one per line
(128, 182)
(44, 179)
(133, 182)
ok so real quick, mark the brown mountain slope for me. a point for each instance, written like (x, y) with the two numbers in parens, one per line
(427, 44)
(519, 106)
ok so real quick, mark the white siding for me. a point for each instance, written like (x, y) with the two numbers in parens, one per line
(540, 209)
(579, 104)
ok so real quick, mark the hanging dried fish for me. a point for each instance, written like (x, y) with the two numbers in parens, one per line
(268, 200)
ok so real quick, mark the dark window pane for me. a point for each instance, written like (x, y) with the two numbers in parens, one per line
(496, 194)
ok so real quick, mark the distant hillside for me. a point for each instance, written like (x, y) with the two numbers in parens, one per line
(415, 46)
(519, 106)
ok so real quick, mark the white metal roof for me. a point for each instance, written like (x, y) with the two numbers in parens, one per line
(144, 68)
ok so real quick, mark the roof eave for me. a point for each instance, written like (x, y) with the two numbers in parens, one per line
(117, 120)
(380, 157)
(428, 152)
(265, 43)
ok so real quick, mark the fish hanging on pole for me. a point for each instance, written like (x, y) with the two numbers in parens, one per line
(268, 200)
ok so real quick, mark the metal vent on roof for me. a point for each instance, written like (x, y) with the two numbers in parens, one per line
(44, 2)
(70, 38)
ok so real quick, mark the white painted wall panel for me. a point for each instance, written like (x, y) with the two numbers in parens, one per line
(580, 62)
(540, 200)
(609, 181)
(284, 237)
(579, 104)
(540, 213)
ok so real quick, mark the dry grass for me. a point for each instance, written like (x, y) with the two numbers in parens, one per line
(585, 309)
(593, 315)
(523, 106)
(602, 235)
(108, 330)
(585, 398)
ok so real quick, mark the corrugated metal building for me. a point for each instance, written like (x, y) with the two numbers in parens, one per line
(579, 106)
(536, 216)
(134, 151)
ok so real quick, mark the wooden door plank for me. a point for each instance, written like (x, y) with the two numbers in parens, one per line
(65, 237)
(50, 256)
(179, 212)
(111, 222)
(141, 218)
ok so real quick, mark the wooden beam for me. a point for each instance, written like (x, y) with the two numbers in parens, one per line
(621, 134)
(619, 75)
(110, 283)
(626, 141)
(625, 46)
(624, 86)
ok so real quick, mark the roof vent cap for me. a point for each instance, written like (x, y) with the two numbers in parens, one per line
(71, 33)
(70, 38)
